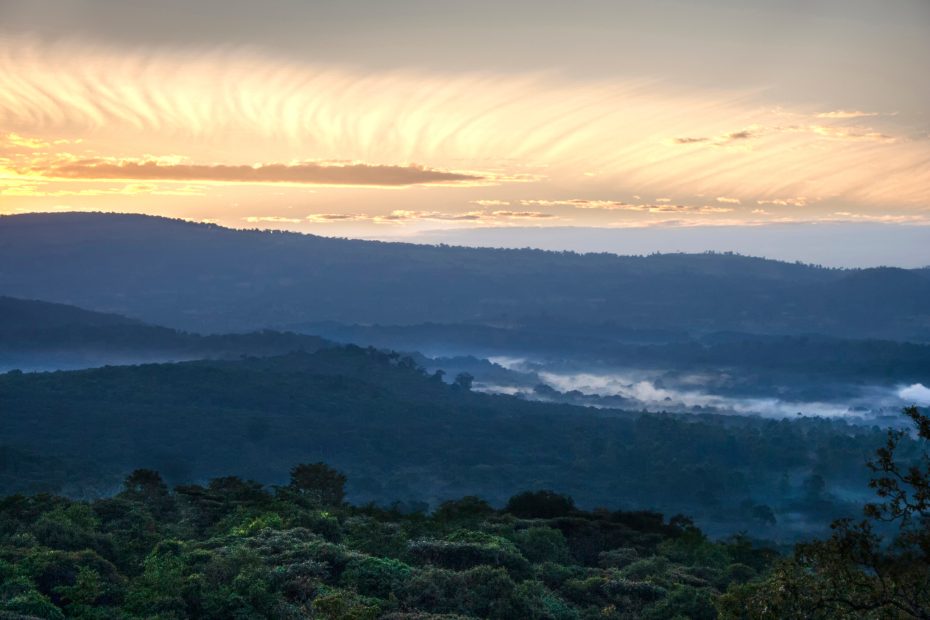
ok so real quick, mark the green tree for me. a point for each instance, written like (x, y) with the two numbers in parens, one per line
(147, 487)
(857, 573)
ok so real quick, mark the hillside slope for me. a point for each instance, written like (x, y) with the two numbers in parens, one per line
(402, 434)
(207, 278)
(37, 335)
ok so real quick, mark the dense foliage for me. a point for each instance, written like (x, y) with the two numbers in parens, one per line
(234, 549)
(402, 434)
(878, 567)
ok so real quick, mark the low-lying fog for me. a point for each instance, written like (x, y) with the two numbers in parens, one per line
(704, 391)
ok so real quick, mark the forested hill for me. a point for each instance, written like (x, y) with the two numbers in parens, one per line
(40, 335)
(402, 434)
(207, 278)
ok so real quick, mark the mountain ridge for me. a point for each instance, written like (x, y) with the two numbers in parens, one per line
(207, 278)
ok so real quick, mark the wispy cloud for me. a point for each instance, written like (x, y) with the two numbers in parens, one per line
(851, 133)
(846, 114)
(534, 215)
(31, 188)
(404, 215)
(882, 218)
(468, 128)
(491, 203)
(617, 205)
(272, 219)
(797, 201)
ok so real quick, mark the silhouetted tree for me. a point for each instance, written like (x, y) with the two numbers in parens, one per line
(464, 380)
(320, 482)
(540, 505)
(147, 487)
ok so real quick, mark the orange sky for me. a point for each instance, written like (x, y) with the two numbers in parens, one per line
(253, 136)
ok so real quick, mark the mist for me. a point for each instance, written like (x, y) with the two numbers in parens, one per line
(702, 391)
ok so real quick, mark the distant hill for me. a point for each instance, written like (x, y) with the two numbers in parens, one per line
(40, 335)
(400, 433)
(207, 278)
(798, 361)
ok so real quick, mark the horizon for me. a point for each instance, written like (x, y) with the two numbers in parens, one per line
(826, 244)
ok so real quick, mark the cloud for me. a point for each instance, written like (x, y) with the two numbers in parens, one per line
(740, 135)
(14, 139)
(917, 393)
(885, 218)
(850, 133)
(523, 214)
(254, 219)
(491, 203)
(660, 206)
(312, 173)
(331, 218)
(405, 215)
(846, 114)
(725, 199)
(798, 201)
(257, 107)
(719, 140)
(31, 188)
(578, 203)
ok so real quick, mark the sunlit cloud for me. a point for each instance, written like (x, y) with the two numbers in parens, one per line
(729, 200)
(535, 215)
(26, 142)
(846, 114)
(851, 133)
(798, 201)
(405, 215)
(491, 203)
(26, 188)
(615, 205)
(880, 218)
(271, 219)
(72, 113)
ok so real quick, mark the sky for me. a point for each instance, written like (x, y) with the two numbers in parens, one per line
(425, 120)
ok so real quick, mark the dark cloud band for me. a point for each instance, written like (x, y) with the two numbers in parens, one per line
(311, 173)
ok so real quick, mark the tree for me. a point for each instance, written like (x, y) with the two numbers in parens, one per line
(147, 487)
(320, 482)
(464, 380)
(540, 505)
(857, 572)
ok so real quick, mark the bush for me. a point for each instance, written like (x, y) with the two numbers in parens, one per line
(542, 544)
(375, 576)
